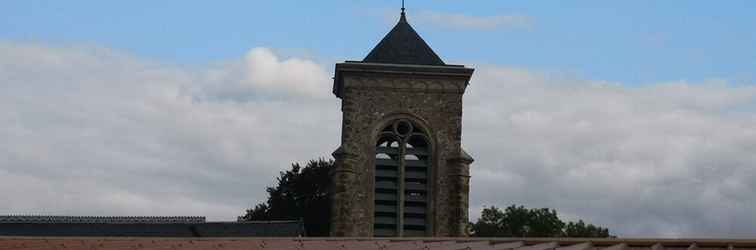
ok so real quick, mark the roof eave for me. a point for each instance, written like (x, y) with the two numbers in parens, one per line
(397, 69)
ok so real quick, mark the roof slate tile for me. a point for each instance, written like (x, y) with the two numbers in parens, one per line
(402, 45)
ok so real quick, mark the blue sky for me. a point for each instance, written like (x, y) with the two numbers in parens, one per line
(634, 42)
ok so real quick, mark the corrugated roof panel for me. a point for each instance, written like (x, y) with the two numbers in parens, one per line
(399, 245)
(362, 244)
(620, 246)
(580, 246)
(111, 243)
(541, 246)
(472, 245)
(508, 245)
(437, 244)
(283, 246)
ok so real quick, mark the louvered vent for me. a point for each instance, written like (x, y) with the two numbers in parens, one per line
(401, 181)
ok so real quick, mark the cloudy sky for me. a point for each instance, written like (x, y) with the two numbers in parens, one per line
(639, 116)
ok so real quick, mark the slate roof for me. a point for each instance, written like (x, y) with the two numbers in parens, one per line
(206, 229)
(402, 45)
(100, 243)
(401, 52)
(100, 219)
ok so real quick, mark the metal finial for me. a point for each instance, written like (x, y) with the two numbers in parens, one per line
(402, 7)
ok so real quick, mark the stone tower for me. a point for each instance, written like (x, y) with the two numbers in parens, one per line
(400, 169)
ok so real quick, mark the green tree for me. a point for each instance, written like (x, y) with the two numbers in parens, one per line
(518, 221)
(514, 221)
(580, 229)
(544, 223)
(301, 193)
(489, 223)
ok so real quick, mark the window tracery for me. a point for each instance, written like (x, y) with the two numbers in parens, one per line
(402, 173)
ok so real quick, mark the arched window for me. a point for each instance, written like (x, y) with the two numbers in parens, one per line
(402, 161)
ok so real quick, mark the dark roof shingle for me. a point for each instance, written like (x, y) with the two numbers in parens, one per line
(402, 45)
(207, 229)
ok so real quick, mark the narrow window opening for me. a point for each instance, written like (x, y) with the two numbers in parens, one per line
(411, 157)
(382, 156)
(402, 164)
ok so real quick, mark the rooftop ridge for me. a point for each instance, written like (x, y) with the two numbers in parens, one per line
(17, 218)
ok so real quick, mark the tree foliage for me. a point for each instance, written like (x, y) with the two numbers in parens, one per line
(301, 193)
(580, 229)
(518, 221)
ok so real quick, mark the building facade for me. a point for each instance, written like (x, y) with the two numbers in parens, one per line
(400, 169)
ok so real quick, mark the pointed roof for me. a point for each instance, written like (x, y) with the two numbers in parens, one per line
(402, 45)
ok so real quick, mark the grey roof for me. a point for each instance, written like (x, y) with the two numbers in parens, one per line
(100, 219)
(208, 229)
(402, 45)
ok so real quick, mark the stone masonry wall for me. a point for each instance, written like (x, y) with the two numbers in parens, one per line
(369, 102)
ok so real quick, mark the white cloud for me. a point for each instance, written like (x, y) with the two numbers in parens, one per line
(265, 70)
(670, 159)
(461, 21)
(92, 131)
